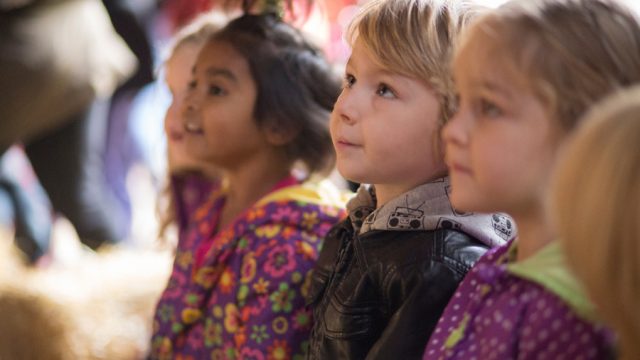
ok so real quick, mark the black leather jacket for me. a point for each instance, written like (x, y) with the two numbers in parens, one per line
(380, 295)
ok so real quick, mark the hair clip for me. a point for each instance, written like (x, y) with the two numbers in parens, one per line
(272, 7)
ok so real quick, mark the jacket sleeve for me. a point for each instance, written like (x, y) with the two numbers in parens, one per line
(416, 304)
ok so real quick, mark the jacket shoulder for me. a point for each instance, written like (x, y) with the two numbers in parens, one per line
(406, 249)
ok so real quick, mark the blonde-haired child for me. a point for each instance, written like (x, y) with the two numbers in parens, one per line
(525, 74)
(386, 273)
(190, 180)
(596, 203)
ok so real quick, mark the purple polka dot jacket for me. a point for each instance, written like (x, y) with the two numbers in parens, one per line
(532, 309)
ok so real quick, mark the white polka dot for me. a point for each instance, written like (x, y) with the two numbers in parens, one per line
(584, 339)
(543, 334)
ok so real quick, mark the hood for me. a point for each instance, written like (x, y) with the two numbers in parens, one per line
(427, 207)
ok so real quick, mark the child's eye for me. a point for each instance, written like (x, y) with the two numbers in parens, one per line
(216, 90)
(489, 109)
(192, 85)
(385, 91)
(348, 81)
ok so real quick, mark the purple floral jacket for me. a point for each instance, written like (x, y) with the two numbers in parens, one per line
(246, 299)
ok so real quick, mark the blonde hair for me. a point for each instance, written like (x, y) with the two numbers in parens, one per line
(596, 200)
(415, 38)
(570, 53)
(195, 33)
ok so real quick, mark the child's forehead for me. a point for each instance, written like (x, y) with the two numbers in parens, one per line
(364, 59)
(487, 59)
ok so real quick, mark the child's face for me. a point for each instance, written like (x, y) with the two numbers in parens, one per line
(218, 108)
(500, 146)
(384, 125)
(177, 76)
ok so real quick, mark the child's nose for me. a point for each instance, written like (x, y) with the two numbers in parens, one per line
(455, 132)
(345, 108)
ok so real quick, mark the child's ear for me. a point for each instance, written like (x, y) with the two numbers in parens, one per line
(278, 136)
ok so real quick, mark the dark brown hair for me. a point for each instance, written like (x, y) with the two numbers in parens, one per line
(296, 85)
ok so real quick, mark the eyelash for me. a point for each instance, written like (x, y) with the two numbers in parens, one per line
(382, 90)
(215, 90)
(489, 109)
(348, 81)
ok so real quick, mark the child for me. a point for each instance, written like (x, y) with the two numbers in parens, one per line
(387, 272)
(191, 181)
(525, 73)
(597, 213)
(258, 104)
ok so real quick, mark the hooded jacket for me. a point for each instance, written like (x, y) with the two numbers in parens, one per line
(244, 295)
(385, 275)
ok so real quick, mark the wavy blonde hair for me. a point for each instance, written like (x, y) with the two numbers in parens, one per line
(596, 204)
(415, 38)
(570, 53)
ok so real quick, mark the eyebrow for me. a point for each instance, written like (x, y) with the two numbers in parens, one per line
(493, 87)
(226, 73)
(214, 71)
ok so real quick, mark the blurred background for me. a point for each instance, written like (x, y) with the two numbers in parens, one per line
(83, 166)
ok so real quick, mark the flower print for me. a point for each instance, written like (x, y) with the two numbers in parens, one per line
(261, 286)
(279, 350)
(255, 213)
(259, 333)
(217, 354)
(217, 311)
(287, 232)
(282, 298)
(307, 251)
(189, 315)
(204, 228)
(176, 327)
(243, 243)
(302, 319)
(240, 338)
(280, 261)
(323, 229)
(230, 352)
(227, 280)
(309, 219)
(231, 318)
(247, 353)
(280, 325)
(296, 277)
(306, 285)
(243, 292)
(286, 214)
(268, 231)
(195, 340)
(304, 346)
(184, 259)
(192, 299)
(174, 288)
(166, 312)
(162, 348)
(212, 333)
(206, 276)
(248, 270)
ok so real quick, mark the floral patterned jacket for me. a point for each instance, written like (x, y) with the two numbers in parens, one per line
(245, 297)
